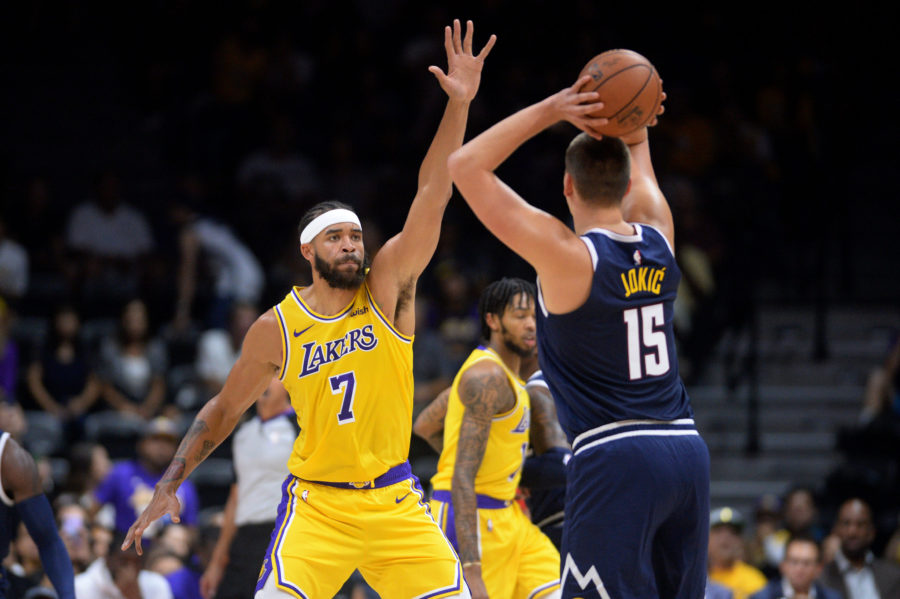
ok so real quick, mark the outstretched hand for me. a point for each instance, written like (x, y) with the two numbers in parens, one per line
(162, 503)
(463, 67)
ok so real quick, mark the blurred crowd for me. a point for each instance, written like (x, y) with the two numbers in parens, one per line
(133, 258)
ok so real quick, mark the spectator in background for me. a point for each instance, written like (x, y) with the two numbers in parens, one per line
(173, 557)
(432, 372)
(9, 356)
(61, 379)
(13, 266)
(218, 348)
(726, 554)
(457, 316)
(278, 171)
(800, 571)
(799, 518)
(132, 365)
(129, 485)
(109, 241)
(855, 570)
(209, 246)
(120, 575)
(767, 519)
(89, 464)
(73, 522)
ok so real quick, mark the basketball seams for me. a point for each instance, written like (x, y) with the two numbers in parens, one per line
(617, 66)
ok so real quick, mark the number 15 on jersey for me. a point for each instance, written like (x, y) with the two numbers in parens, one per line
(644, 326)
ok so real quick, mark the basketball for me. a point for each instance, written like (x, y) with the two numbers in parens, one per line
(629, 87)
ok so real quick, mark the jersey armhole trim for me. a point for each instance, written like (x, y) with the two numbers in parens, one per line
(285, 346)
(664, 238)
(3, 496)
(383, 318)
(591, 250)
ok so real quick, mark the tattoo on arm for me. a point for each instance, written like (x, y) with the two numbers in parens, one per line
(175, 471)
(484, 394)
(204, 451)
(546, 432)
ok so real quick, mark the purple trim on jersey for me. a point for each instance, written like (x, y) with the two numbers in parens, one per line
(126, 478)
(318, 316)
(279, 521)
(287, 343)
(288, 517)
(384, 320)
(483, 502)
(393, 476)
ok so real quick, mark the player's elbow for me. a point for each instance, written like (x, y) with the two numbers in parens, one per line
(460, 164)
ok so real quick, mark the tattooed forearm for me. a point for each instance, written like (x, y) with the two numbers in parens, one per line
(198, 428)
(175, 472)
(484, 391)
(208, 446)
(546, 432)
(473, 436)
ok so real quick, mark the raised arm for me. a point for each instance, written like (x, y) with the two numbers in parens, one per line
(429, 424)
(258, 362)
(645, 202)
(484, 391)
(404, 256)
(543, 240)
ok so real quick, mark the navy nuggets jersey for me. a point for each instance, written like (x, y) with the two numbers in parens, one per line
(614, 358)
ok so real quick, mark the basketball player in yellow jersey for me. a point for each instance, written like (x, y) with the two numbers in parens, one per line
(486, 429)
(342, 348)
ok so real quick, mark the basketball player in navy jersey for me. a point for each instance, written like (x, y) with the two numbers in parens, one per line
(637, 495)
(22, 499)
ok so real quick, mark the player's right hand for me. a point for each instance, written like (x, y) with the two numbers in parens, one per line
(575, 106)
(163, 502)
(209, 582)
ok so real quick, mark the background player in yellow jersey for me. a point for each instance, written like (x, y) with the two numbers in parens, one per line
(342, 348)
(486, 433)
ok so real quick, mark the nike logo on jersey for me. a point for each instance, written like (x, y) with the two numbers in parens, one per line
(317, 354)
(399, 499)
(297, 334)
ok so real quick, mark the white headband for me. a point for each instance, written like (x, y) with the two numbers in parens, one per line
(325, 220)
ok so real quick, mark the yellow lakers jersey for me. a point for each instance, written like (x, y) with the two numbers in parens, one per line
(500, 470)
(350, 380)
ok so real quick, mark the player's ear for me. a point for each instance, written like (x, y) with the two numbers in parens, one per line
(627, 189)
(568, 185)
(306, 250)
(493, 321)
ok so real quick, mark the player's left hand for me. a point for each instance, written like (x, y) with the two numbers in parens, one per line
(163, 502)
(463, 67)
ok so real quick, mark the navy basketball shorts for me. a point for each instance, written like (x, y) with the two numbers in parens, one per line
(637, 515)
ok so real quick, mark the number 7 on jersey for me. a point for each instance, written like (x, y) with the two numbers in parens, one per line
(345, 383)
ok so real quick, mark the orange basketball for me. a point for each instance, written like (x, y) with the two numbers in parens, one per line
(629, 87)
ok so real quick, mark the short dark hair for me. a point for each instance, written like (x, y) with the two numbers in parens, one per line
(318, 210)
(600, 168)
(804, 538)
(497, 296)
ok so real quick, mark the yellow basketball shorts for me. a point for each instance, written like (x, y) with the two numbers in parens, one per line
(323, 533)
(518, 561)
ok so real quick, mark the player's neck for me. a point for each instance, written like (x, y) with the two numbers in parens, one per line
(324, 299)
(510, 359)
(610, 218)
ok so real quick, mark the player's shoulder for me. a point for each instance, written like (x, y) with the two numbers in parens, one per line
(537, 380)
